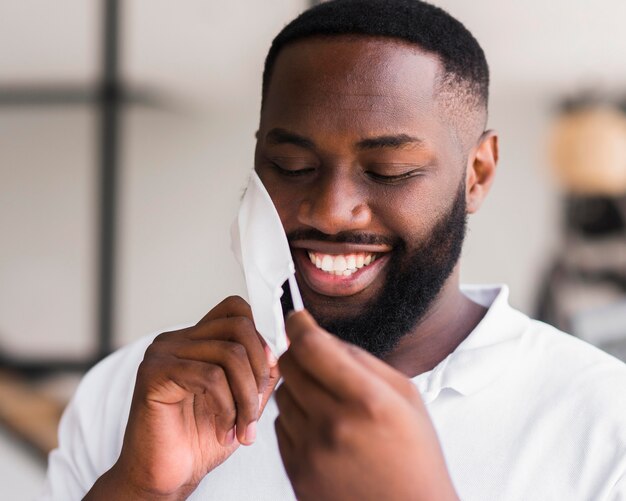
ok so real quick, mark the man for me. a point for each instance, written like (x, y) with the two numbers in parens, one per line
(372, 145)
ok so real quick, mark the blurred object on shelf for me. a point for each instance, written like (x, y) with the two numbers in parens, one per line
(589, 151)
(33, 413)
(584, 292)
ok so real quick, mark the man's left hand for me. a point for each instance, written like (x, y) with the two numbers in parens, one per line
(352, 427)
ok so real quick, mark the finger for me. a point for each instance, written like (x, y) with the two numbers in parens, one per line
(239, 330)
(293, 418)
(311, 397)
(233, 359)
(235, 306)
(327, 360)
(174, 380)
(394, 378)
(232, 306)
(273, 380)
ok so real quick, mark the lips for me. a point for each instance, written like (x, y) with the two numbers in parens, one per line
(332, 269)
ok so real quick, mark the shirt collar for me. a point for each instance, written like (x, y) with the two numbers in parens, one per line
(485, 353)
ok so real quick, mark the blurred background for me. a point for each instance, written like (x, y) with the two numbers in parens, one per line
(127, 133)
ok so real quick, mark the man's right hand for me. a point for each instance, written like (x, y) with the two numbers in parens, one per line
(199, 394)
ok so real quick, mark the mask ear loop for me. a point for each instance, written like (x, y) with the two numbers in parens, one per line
(296, 298)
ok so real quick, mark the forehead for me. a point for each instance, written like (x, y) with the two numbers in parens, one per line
(341, 83)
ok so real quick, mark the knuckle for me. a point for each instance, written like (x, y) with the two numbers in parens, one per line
(236, 350)
(214, 374)
(242, 325)
(352, 349)
(373, 406)
(153, 350)
(164, 336)
(264, 373)
(228, 413)
(338, 432)
(149, 370)
(235, 301)
(144, 367)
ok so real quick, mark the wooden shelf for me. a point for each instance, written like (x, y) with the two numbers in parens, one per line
(29, 413)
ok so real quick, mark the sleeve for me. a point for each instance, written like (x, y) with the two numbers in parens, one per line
(92, 427)
(71, 469)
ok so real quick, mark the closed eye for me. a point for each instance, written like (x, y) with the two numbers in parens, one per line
(291, 172)
(394, 178)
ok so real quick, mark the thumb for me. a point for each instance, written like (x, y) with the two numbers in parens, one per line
(298, 323)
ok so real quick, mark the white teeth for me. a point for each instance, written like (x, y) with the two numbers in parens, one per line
(340, 264)
(360, 260)
(327, 263)
(351, 262)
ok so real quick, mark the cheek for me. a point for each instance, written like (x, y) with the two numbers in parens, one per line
(287, 207)
(410, 214)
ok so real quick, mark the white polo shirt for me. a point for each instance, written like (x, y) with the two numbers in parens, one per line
(523, 412)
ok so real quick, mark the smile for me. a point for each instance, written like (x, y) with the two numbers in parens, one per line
(334, 269)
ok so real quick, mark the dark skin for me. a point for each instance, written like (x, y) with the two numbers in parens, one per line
(349, 424)
(388, 92)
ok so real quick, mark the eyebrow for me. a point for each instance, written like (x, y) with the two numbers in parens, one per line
(283, 136)
(392, 141)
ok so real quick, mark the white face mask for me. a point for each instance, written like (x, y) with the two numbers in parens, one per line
(260, 245)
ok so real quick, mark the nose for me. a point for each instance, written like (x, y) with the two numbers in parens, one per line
(335, 204)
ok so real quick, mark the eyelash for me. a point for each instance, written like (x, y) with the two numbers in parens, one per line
(291, 173)
(376, 177)
(392, 179)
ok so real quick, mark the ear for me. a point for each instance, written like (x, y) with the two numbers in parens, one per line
(481, 169)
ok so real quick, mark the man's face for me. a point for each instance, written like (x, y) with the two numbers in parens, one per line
(367, 178)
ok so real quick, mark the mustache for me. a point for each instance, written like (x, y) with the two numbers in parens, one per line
(345, 237)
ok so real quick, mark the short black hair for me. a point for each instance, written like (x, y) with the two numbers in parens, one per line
(429, 27)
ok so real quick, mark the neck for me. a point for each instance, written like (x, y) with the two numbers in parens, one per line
(447, 323)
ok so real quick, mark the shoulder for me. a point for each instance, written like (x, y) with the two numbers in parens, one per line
(567, 355)
(580, 395)
(575, 375)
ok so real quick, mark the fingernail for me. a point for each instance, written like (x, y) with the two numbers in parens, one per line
(251, 432)
(260, 400)
(230, 436)
(271, 358)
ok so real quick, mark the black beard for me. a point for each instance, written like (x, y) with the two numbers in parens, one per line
(412, 284)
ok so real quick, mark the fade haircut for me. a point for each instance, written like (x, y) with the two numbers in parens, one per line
(462, 88)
